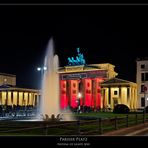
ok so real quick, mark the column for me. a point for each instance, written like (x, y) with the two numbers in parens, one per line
(122, 95)
(14, 97)
(4, 97)
(25, 98)
(135, 98)
(0, 98)
(30, 99)
(35, 99)
(93, 94)
(9, 101)
(132, 97)
(20, 98)
(127, 96)
(111, 92)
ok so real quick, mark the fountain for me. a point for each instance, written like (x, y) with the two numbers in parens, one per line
(50, 100)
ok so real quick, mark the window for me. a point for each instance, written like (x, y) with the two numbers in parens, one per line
(142, 102)
(142, 76)
(142, 88)
(115, 92)
(146, 76)
(142, 66)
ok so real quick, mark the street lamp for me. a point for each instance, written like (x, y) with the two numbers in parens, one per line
(41, 68)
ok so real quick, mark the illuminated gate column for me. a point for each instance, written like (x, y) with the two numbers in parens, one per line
(81, 91)
(73, 93)
(98, 100)
(88, 92)
(63, 94)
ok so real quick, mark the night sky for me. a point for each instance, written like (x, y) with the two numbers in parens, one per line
(105, 34)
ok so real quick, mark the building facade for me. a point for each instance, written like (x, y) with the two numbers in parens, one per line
(84, 79)
(7, 79)
(142, 82)
(117, 91)
(11, 95)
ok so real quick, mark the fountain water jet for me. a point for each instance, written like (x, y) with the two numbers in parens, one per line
(50, 100)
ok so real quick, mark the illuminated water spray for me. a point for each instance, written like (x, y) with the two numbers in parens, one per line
(50, 100)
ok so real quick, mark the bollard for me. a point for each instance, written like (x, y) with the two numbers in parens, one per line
(116, 123)
(127, 120)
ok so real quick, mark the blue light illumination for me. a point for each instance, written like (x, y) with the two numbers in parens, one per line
(79, 60)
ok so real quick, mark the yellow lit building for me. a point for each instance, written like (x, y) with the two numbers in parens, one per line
(18, 96)
(118, 91)
(11, 95)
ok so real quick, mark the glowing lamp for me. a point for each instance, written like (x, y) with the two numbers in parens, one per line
(79, 95)
(45, 68)
(39, 69)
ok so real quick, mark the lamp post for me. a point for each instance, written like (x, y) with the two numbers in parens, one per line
(41, 69)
